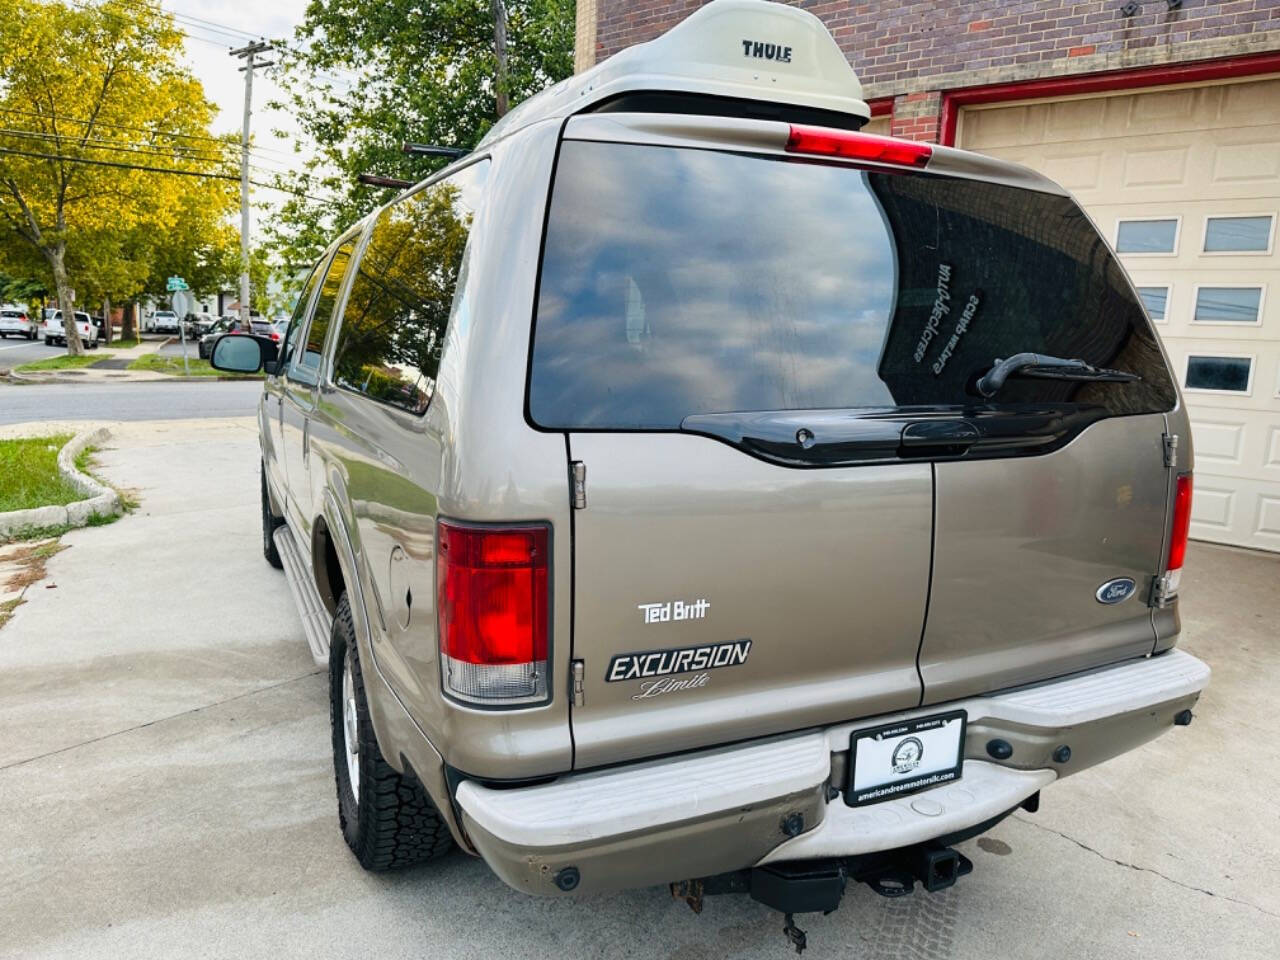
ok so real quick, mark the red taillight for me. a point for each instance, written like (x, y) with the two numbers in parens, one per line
(493, 611)
(827, 142)
(1181, 523)
(275, 337)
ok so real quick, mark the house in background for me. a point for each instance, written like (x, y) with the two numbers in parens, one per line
(1162, 117)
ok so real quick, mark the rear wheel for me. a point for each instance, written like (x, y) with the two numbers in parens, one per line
(48, 341)
(269, 523)
(386, 817)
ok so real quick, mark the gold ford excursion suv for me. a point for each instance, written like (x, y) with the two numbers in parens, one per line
(684, 487)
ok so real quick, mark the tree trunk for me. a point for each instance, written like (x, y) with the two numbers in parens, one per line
(75, 347)
(106, 318)
(128, 328)
(500, 54)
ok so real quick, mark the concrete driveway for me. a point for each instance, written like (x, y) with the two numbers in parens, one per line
(166, 786)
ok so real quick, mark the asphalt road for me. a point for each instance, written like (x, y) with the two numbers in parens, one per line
(166, 782)
(14, 352)
(128, 401)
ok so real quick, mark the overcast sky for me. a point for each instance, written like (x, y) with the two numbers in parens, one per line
(213, 28)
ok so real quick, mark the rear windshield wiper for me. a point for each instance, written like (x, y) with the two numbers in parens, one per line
(1046, 367)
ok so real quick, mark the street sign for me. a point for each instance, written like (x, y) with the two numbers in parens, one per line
(176, 283)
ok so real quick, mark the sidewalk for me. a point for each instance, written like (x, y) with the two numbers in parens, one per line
(111, 368)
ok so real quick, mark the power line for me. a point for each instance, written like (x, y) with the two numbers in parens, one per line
(165, 170)
(122, 166)
(155, 133)
(96, 143)
(238, 35)
(121, 147)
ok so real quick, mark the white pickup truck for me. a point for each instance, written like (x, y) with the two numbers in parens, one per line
(53, 331)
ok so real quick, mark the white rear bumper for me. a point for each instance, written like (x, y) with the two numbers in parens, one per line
(525, 832)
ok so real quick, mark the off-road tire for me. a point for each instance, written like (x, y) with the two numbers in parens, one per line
(392, 823)
(269, 523)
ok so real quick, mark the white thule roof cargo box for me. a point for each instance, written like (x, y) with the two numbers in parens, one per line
(739, 57)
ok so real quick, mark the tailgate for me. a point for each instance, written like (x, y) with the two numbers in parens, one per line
(767, 367)
(719, 597)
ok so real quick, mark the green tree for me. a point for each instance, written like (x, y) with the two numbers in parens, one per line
(22, 289)
(363, 76)
(83, 90)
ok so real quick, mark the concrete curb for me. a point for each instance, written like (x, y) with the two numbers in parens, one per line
(100, 500)
(148, 377)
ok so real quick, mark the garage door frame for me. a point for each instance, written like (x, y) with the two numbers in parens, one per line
(1204, 71)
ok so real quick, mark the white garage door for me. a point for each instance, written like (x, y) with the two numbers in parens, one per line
(877, 125)
(1185, 182)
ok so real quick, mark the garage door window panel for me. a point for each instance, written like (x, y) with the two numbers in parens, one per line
(1239, 234)
(1149, 237)
(1216, 373)
(1156, 300)
(1232, 305)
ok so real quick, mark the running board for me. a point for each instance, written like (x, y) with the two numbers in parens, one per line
(316, 621)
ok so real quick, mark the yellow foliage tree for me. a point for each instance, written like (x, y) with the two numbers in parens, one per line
(88, 95)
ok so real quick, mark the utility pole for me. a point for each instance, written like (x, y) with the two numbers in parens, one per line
(249, 54)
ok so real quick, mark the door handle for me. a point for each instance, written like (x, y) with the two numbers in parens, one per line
(930, 434)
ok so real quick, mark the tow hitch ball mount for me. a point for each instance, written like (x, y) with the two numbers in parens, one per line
(817, 886)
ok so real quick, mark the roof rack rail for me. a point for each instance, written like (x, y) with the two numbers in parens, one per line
(432, 150)
(376, 180)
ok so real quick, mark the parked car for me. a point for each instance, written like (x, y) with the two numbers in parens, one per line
(201, 324)
(16, 323)
(53, 330)
(205, 345)
(162, 321)
(755, 504)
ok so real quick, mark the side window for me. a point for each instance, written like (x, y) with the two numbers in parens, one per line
(305, 362)
(300, 312)
(403, 293)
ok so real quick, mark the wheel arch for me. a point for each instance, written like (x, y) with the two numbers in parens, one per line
(404, 745)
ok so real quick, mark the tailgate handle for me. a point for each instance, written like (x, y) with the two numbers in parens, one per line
(930, 434)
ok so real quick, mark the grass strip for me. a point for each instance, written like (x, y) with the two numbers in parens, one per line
(31, 478)
(63, 362)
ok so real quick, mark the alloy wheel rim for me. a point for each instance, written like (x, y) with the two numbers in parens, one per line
(351, 727)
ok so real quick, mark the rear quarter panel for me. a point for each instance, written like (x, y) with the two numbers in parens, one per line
(470, 457)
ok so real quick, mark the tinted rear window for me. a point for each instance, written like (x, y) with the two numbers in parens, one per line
(677, 282)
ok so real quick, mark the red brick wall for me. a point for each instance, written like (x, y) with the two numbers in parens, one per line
(912, 49)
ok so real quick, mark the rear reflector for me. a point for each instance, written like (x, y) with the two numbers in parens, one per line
(1181, 523)
(493, 611)
(827, 142)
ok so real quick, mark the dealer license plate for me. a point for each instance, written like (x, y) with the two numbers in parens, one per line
(900, 758)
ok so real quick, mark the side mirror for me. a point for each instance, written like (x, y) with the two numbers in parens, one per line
(241, 353)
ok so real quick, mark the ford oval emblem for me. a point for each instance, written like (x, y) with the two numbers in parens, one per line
(1115, 591)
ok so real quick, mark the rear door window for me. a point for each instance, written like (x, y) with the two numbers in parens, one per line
(677, 282)
(394, 322)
